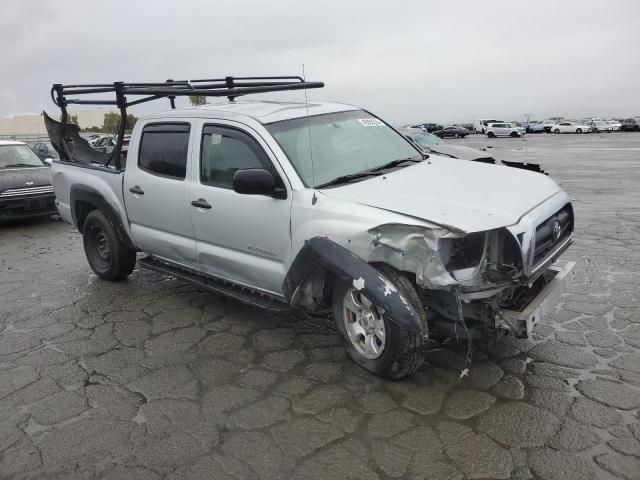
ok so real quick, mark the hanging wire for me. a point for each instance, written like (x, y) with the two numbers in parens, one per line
(461, 320)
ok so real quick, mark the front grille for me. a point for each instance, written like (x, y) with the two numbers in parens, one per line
(546, 239)
(20, 192)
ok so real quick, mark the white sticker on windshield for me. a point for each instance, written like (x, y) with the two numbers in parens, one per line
(371, 122)
(216, 139)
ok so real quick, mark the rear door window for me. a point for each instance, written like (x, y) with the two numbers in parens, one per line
(163, 149)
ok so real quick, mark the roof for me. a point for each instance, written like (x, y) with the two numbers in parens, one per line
(11, 142)
(263, 111)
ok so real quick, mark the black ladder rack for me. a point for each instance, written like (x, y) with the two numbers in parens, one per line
(230, 87)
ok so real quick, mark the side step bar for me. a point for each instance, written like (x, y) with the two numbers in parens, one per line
(220, 287)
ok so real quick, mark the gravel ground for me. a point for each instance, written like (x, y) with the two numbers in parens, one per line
(151, 378)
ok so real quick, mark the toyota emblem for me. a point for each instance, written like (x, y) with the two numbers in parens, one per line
(557, 230)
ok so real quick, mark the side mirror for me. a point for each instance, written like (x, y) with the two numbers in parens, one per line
(48, 161)
(256, 181)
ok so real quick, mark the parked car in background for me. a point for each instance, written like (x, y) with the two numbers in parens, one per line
(504, 130)
(599, 126)
(615, 124)
(44, 151)
(25, 183)
(631, 124)
(428, 127)
(480, 125)
(570, 127)
(429, 143)
(534, 126)
(452, 131)
(104, 144)
(548, 125)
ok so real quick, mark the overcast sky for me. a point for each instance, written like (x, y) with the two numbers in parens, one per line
(406, 61)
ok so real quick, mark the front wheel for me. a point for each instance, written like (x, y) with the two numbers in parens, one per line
(108, 257)
(514, 134)
(373, 340)
(491, 135)
(557, 130)
(579, 131)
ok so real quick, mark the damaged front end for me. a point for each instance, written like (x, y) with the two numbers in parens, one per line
(469, 283)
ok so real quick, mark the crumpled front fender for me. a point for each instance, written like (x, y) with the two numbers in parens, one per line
(323, 254)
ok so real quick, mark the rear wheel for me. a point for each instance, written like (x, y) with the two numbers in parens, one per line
(372, 339)
(108, 257)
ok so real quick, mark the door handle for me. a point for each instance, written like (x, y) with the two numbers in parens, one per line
(201, 203)
(136, 190)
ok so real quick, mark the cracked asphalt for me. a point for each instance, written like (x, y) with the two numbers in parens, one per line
(152, 378)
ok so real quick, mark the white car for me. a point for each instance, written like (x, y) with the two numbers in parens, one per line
(600, 126)
(615, 125)
(505, 130)
(570, 127)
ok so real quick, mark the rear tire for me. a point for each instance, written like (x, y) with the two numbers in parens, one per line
(108, 257)
(401, 352)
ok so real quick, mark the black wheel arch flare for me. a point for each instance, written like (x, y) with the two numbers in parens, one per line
(320, 253)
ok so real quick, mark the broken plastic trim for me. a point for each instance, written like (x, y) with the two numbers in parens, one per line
(324, 255)
(73, 147)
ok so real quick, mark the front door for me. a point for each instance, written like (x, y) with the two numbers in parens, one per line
(156, 191)
(242, 238)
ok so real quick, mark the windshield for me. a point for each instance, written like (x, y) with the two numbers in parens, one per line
(425, 140)
(15, 156)
(342, 143)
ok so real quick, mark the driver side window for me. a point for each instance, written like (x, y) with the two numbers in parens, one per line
(226, 150)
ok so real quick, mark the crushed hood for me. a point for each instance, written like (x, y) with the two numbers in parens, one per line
(467, 196)
(18, 177)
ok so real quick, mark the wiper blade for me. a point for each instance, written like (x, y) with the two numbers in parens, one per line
(395, 163)
(21, 165)
(346, 179)
(368, 173)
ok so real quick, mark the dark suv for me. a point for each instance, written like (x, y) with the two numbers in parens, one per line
(631, 124)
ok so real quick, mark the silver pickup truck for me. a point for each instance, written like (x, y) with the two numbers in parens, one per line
(320, 207)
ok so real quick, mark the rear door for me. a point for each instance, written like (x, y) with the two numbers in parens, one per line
(242, 238)
(156, 190)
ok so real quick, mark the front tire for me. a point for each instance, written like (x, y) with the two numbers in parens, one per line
(491, 135)
(579, 131)
(108, 257)
(372, 340)
(557, 130)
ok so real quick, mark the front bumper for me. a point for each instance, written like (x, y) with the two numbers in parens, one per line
(12, 208)
(522, 322)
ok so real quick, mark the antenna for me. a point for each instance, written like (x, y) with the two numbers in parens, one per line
(313, 170)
